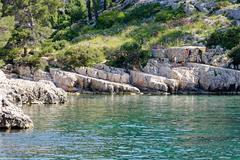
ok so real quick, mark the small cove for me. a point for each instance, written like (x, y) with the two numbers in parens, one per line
(129, 127)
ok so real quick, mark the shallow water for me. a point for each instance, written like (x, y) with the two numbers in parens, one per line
(130, 127)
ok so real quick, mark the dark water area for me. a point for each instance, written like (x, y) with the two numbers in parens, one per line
(130, 127)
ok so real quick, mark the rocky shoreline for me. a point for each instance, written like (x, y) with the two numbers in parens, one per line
(25, 85)
(156, 77)
(16, 92)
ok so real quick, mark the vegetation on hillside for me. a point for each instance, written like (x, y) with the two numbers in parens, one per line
(86, 32)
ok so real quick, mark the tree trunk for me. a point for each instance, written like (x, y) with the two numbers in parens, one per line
(88, 4)
(95, 7)
(104, 4)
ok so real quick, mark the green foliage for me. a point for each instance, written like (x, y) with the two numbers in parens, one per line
(235, 54)
(78, 56)
(168, 14)
(144, 11)
(33, 20)
(108, 19)
(44, 12)
(125, 36)
(20, 37)
(2, 63)
(66, 34)
(75, 11)
(222, 4)
(6, 27)
(130, 55)
(227, 38)
(59, 45)
(30, 60)
(50, 47)
(9, 55)
(62, 22)
(1, 9)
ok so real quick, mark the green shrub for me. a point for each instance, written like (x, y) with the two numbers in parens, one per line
(15, 56)
(30, 60)
(130, 55)
(108, 19)
(227, 38)
(222, 4)
(65, 34)
(144, 11)
(50, 47)
(80, 56)
(2, 63)
(168, 14)
(59, 45)
(234, 54)
(9, 55)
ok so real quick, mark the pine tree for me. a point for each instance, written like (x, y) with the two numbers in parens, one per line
(6, 27)
(33, 20)
(95, 8)
(75, 10)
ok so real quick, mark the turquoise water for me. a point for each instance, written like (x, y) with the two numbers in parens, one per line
(130, 127)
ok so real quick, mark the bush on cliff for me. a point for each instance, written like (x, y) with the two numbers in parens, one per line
(78, 56)
(130, 55)
(108, 19)
(234, 54)
(143, 11)
(227, 38)
(168, 14)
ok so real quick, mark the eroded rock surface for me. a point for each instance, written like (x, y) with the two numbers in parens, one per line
(15, 92)
(148, 82)
(198, 77)
(12, 116)
(77, 82)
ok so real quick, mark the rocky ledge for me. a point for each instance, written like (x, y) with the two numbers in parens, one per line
(199, 78)
(15, 92)
(156, 77)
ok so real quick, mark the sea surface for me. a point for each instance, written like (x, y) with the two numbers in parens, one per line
(129, 127)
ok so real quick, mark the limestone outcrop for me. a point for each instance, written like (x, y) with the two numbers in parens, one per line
(164, 76)
(198, 77)
(15, 92)
(34, 92)
(104, 72)
(73, 82)
(148, 82)
(216, 79)
(41, 75)
(12, 116)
